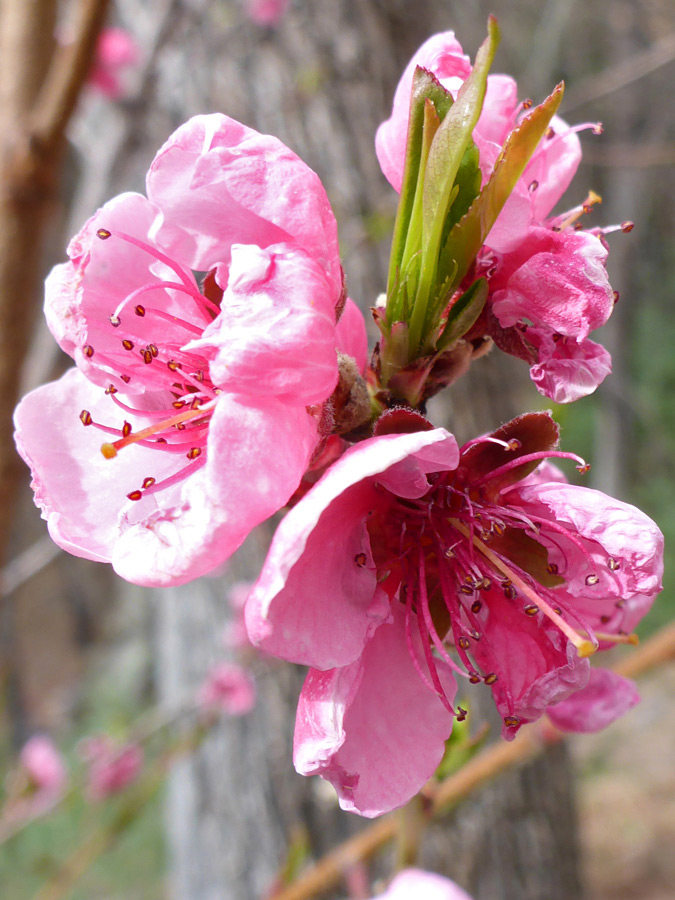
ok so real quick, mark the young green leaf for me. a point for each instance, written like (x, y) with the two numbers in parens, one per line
(463, 313)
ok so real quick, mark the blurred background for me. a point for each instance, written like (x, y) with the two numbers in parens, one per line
(82, 652)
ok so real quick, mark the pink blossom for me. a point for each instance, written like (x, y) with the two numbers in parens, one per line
(229, 689)
(116, 51)
(606, 697)
(548, 287)
(266, 12)
(414, 884)
(39, 782)
(112, 767)
(209, 392)
(439, 559)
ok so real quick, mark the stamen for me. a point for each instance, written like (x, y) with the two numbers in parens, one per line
(110, 450)
(584, 646)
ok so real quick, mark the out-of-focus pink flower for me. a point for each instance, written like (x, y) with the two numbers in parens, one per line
(228, 688)
(606, 697)
(266, 12)
(112, 767)
(548, 286)
(414, 884)
(418, 549)
(40, 780)
(208, 390)
(116, 51)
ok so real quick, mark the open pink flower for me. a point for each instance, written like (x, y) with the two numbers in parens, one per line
(112, 767)
(116, 51)
(548, 286)
(414, 884)
(206, 389)
(433, 559)
(39, 782)
(229, 689)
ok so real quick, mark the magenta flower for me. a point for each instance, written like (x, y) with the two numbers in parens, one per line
(434, 559)
(548, 287)
(266, 12)
(206, 391)
(414, 884)
(228, 689)
(37, 784)
(112, 767)
(116, 51)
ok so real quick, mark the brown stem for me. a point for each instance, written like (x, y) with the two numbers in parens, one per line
(329, 871)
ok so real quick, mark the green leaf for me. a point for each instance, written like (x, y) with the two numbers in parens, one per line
(463, 314)
(469, 234)
(425, 87)
(452, 140)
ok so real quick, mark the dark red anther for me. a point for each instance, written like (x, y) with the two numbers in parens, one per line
(476, 606)
(360, 560)
(103, 234)
(115, 321)
(139, 310)
(88, 351)
(173, 365)
(531, 610)
(135, 495)
(126, 429)
(111, 389)
(194, 452)
(148, 482)
(85, 417)
(511, 721)
(127, 344)
(126, 378)
(490, 679)
(154, 349)
(147, 356)
(627, 226)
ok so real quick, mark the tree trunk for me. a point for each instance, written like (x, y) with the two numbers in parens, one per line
(322, 83)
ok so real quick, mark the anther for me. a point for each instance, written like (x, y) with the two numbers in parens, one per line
(148, 482)
(360, 560)
(449, 553)
(127, 344)
(194, 452)
(511, 721)
(115, 321)
(154, 349)
(627, 226)
(476, 606)
(85, 417)
(464, 643)
(490, 679)
(527, 104)
(592, 579)
(552, 568)
(613, 564)
(485, 584)
(532, 186)
(605, 619)
(465, 589)
(598, 128)
(126, 429)
(88, 351)
(514, 444)
(147, 356)
(531, 610)
(173, 365)
(616, 296)
(476, 635)
(461, 713)
(111, 389)
(474, 678)
(103, 233)
(126, 378)
(178, 404)
(135, 495)
(582, 469)
(139, 310)
(510, 592)
(550, 132)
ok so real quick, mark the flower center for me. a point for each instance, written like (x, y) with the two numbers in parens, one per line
(176, 393)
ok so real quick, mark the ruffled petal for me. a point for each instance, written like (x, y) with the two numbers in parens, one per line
(373, 728)
(319, 567)
(257, 452)
(275, 335)
(606, 697)
(218, 182)
(414, 884)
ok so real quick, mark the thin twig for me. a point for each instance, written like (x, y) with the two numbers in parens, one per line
(624, 73)
(498, 758)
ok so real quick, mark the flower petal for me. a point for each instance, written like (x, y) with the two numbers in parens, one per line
(373, 728)
(606, 697)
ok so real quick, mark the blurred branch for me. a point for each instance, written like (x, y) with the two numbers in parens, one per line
(622, 74)
(631, 156)
(27, 564)
(67, 74)
(496, 759)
